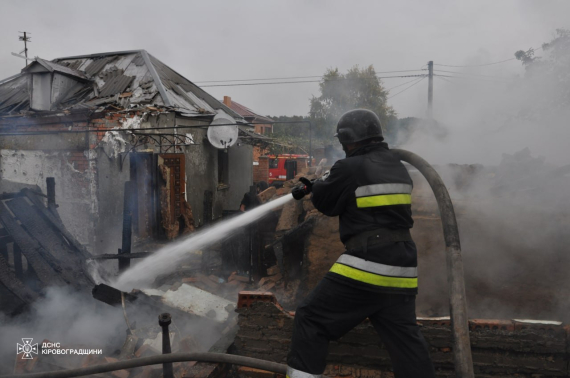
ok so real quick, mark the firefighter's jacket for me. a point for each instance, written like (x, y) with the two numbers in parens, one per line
(369, 190)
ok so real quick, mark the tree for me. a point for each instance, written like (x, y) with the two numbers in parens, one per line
(548, 75)
(358, 88)
(290, 137)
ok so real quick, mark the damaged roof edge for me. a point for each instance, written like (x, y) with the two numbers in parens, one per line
(100, 54)
(11, 78)
(230, 112)
(155, 77)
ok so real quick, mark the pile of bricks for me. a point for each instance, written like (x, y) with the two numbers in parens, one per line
(501, 348)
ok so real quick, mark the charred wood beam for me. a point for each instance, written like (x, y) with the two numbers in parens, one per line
(56, 222)
(56, 251)
(110, 256)
(4, 241)
(110, 295)
(18, 265)
(128, 206)
(31, 249)
(50, 184)
(14, 285)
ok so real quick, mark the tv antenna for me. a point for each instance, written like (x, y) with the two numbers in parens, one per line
(25, 37)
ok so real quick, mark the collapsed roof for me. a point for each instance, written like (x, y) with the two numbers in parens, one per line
(53, 257)
(127, 78)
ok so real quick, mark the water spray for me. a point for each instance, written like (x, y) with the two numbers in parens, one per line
(167, 259)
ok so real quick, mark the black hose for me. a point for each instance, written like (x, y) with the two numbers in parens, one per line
(160, 359)
(455, 277)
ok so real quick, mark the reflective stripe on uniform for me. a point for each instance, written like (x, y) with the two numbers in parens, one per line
(383, 195)
(374, 279)
(375, 189)
(294, 373)
(384, 200)
(376, 268)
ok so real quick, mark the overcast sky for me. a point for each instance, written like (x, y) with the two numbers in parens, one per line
(229, 40)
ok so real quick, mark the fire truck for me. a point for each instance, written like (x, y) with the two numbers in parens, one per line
(284, 167)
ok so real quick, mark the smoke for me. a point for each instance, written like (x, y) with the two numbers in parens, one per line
(512, 200)
(66, 317)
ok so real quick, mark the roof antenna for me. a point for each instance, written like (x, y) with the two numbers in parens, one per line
(26, 39)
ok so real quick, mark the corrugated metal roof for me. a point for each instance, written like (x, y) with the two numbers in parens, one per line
(150, 80)
(247, 112)
(116, 85)
(138, 60)
(96, 65)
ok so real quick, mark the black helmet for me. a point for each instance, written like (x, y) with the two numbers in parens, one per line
(358, 125)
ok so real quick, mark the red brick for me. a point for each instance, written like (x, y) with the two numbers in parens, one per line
(491, 324)
(246, 298)
(255, 373)
(537, 324)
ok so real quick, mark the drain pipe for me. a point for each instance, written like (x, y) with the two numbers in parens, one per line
(160, 359)
(455, 278)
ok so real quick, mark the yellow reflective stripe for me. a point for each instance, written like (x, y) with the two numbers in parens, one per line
(374, 279)
(384, 200)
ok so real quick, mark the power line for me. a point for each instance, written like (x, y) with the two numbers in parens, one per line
(444, 79)
(287, 78)
(473, 78)
(304, 81)
(407, 82)
(485, 64)
(470, 74)
(403, 90)
(477, 65)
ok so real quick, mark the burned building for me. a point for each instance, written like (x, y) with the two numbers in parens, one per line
(94, 122)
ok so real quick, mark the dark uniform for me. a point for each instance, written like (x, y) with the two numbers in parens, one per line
(376, 277)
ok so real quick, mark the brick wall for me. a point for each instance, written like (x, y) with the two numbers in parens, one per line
(261, 171)
(500, 348)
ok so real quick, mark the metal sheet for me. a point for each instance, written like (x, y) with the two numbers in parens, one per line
(116, 85)
(96, 66)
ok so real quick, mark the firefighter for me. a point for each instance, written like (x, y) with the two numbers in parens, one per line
(376, 277)
(250, 201)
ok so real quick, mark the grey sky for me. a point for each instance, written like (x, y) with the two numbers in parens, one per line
(218, 40)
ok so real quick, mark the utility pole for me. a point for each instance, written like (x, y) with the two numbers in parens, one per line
(26, 39)
(430, 90)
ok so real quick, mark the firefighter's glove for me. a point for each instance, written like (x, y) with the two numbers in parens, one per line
(302, 190)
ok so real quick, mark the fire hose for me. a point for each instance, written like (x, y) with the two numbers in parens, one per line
(159, 359)
(454, 262)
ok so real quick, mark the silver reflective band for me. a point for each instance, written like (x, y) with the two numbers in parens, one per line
(372, 267)
(373, 190)
(292, 373)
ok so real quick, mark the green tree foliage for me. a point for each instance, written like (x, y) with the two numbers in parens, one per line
(291, 137)
(358, 88)
(549, 74)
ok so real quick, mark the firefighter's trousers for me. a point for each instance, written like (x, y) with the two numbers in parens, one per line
(333, 308)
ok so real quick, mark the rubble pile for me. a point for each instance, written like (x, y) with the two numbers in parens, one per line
(501, 348)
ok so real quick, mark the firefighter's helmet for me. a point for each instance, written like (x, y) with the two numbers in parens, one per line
(358, 125)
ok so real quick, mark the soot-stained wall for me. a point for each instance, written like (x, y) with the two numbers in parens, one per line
(90, 170)
(74, 176)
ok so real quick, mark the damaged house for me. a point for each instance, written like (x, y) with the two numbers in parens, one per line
(95, 122)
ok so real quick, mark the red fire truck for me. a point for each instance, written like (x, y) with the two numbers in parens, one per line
(284, 167)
